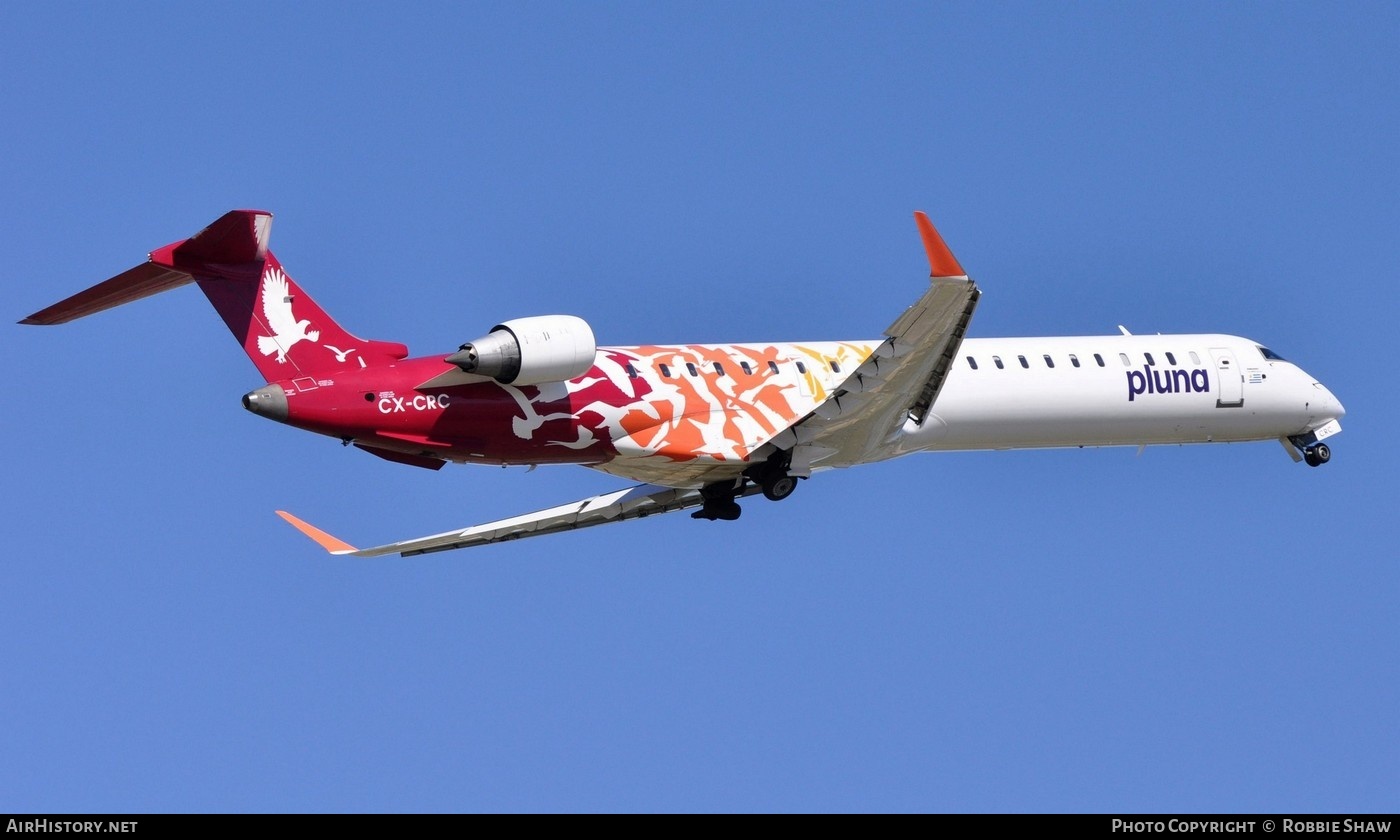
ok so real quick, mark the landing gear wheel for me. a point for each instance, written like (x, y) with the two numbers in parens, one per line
(778, 487)
(1318, 455)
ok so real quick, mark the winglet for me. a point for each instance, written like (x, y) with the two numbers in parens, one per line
(941, 262)
(326, 541)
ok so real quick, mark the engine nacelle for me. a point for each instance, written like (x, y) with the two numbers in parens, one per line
(529, 351)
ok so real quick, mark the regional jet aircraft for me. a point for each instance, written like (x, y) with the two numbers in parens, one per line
(705, 425)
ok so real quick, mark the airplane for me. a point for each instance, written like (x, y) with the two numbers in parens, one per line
(705, 425)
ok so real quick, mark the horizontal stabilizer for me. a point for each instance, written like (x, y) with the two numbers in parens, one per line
(142, 281)
(236, 238)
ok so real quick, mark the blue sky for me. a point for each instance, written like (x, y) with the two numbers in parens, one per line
(1201, 629)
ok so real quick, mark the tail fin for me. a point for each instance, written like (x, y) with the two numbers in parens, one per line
(284, 331)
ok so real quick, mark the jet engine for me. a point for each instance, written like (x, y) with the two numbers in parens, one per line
(529, 351)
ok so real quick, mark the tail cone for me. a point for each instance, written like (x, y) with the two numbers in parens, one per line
(269, 401)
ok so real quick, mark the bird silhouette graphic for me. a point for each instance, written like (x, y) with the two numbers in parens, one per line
(277, 313)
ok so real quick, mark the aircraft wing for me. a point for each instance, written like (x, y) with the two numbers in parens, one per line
(900, 381)
(617, 506)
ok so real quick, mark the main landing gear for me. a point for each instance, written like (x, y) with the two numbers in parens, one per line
(778, 487)
(771, 478)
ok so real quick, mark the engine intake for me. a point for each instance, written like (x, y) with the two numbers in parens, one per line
(529, 351)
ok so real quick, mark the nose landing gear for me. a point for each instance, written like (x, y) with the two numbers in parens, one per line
(1315, 452)
(1317, 455)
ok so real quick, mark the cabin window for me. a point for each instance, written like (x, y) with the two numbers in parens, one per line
(631, 371)
(690, 366)
(665, 371)
(1195, 360)
(1024, 363)
(1150, 361)
(1074, 360)
(835, 366)
(801, 368)
(773, 366)
(996, 360)
(1171, 360)
(744, 366)
(1124, 357)
(719, 369)
(1098, 359)
(972, 363)
(1049, 362)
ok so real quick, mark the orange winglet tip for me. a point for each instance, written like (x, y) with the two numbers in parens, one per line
(941, 262)
(326, 541)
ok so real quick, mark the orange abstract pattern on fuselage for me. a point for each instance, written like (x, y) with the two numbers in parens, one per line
(694, 404)
(716, 402)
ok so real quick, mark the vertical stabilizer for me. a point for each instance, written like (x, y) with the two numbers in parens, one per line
(284, 331)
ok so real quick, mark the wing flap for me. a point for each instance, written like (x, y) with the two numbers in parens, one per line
(962, 304)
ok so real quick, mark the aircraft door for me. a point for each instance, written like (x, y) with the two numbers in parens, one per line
(1230, 377)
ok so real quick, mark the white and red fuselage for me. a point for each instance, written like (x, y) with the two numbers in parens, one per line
(644, 411)
(705, 424)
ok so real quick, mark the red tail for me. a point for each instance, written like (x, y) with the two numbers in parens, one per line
(284, 331)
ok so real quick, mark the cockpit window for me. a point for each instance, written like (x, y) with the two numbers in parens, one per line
(1271, 355)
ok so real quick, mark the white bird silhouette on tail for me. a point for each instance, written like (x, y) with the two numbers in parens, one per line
(277, 314)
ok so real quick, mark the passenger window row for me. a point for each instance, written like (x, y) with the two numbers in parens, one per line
(718, 368)
(1049, 360)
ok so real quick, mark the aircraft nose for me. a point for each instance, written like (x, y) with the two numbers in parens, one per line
(1328, 401)
(269, 401)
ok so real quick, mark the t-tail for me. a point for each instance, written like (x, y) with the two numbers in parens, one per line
(284, 331)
